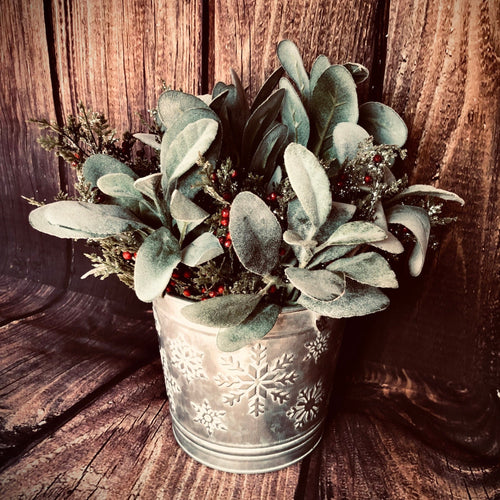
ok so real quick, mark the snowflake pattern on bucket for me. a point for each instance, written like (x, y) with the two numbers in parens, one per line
(259, 381)
(186, 360)
(307, 406)
(317, 346)
(170, 383)
(209, 418)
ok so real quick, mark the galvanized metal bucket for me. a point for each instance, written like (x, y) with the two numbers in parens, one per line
(258, 409)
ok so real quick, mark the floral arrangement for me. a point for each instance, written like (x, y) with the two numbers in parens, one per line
(246, 209)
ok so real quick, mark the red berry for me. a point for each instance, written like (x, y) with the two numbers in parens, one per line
(203, 290)
(227, 196)
(74, 164)
(186, 293)
(222, 240)
(224, 222)
(377, 158)
(228, 236)
(135, 255)
(234, 174)
(213, 177)
(368, 179)
(272, 196)
(77, 156)
(212, 294)
(272, 289)
(187, 275)
(203, 298)
(127, 255)
(224, 213)
(168, 289)
(228, 243)
(220, 290)
(176, 275)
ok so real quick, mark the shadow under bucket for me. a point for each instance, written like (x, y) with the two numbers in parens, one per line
(257, 409)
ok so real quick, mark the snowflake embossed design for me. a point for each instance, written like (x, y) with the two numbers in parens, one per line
(317, 346)
(307, 406)
(259, 381)
(171, 385)
(186, 360)
(211, 420)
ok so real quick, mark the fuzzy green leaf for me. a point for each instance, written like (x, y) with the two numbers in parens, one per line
(201, 250)
(291, 60)
(294, 115)
(357, 300)
(186, 148)
(156, 259)
(320, 284)
(223, 311)
(100, 164)
(183, 209)
(149, 185)
(253, 328)
(369, 268)
(264, 160)
(346, 139)
(356, 233)
(319, 66)
(309, 181)
(425, 190)
(267, 89)
(333, 100)
(173, 103)
(255, 233)
(359, 72)
(383, 123)
(78, 219)
(149, 140)
(260, 121)
(417, 221)
(118, 186)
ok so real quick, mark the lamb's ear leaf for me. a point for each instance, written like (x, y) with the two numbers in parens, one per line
(309, 182)
(149, 185)
(223, 311)
(319, 66)
(260, 121)
(78, 219)
(255, 233)
(369, 268)
(333, 100)
(201, 250)
(417, 221)
(346, 139)
(253, 328)
(291, 60)
(359, 72)
(118, 186)
(185, 150)
(294, 115)
(183, 209)
(320, 284)
(357, 300)
(383, 123)
(173, 103)
(149, 140)
(425, 190)
(97, 165)
(157, 257)
(356, 233)
(267, 89)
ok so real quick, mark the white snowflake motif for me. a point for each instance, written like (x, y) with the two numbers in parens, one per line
(307, 406)
(258, 381)
(170, 383)
(317, 346)
(186, 360)
(209, 418)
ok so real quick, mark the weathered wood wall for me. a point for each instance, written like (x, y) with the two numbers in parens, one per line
(431, 362)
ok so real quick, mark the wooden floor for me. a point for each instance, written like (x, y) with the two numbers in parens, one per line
(84, 414)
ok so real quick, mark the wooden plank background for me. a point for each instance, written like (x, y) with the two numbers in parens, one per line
(428, 367)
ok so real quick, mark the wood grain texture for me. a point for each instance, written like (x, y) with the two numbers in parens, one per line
(122, 446)
(246, 34)
(25, 92)
(442, 76)
(53, 361)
